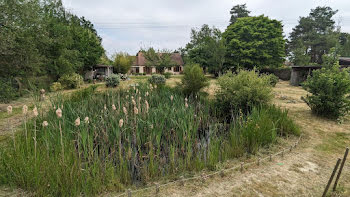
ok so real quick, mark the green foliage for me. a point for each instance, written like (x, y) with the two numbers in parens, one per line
(255, 42)
(313, 37)
(206, 48)
(71, 81)
(113, 81)
(122, 62)
(167, 75)
(238, 11)
(262, 127)
(41, 38)
(164, 139)
(329, 90)
(8, 90)
(193, 80)
(160, 60)
(242, 91)
(157, 79)
(56, 86)
(273, 80)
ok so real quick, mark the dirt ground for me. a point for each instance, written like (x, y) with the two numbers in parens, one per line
(302, 172)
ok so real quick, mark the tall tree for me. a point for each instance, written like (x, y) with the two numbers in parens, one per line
(316, 32)
(238, 11)
(207, 48)
(255, 42)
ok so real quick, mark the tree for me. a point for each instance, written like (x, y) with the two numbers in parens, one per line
(122, 62)
(344, 44)
(255, 42)
(238, 11)
(193, 80)
(160, 60)
(317, 34)
(207, 48)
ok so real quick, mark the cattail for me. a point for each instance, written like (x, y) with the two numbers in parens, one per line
(133, 102)
(136, 111)
(105, 107)
(77, 122)
(147, 93)
(9, 109)
(186, 99)
(125, 111)
(171, 97)
(59, 113)
(61, 106)
(86, 120)
(121, 122)
(113, 107)
(45, 124)
(147, 106)
(151, 126)
(137, 91)
(140, 98)
(186, 104)
(150, 86)
(127, 96)
(155, 86)
(25, 109)
(134, 87)
(54, 107)
(35, 111)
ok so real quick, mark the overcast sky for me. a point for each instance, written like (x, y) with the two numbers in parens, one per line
(128, 25)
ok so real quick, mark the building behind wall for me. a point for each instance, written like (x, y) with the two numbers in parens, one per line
(139, 65)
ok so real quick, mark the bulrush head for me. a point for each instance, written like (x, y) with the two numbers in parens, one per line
(35, 111)
(186, 104)
(45, 124)
(113, 107)
(121, 122)
(105, 107)
(133, 101)
(125, 111)
(59, 113)
(25, 109)
(136, 111)
(186, 99)
(171, 97)
(86, 120)
(147, 93)
(147, 106)
(9, 109)
(77, 122)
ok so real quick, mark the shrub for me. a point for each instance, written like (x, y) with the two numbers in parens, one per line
(123, 77)
(193, 80)
(244, 91)
(113, 81)
(167, 75)
(56, 86)
(329, 88)
(8, 90)
(157, 79)
(71, 81)
(273, 80)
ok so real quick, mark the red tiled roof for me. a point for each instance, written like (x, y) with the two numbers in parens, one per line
(141, 60)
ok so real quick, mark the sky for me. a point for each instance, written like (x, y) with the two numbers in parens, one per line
(129, 25)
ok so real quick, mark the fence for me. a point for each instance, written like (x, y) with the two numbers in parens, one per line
(202, 177)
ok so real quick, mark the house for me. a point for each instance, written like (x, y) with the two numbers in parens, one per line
(99, 71)
(139, 65)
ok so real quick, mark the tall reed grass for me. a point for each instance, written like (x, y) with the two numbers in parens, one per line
(97, 141)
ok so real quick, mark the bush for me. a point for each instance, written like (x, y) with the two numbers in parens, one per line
(243, 91)
(167, 75)
(113, 81)
(56, 86)
(193, 80)
(8, 90)
(273, 80)
(123, 77)
(157, 79)
(329, 88)
(71, 81)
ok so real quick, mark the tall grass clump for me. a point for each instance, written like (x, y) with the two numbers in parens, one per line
(91, 142)
(193, 80)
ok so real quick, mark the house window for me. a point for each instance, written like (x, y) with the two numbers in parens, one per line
(137, 70)
(177, 69)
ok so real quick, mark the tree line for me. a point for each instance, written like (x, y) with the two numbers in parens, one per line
(40, 39)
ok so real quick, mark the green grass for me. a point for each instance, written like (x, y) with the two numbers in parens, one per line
(167, 139)
(334, 142)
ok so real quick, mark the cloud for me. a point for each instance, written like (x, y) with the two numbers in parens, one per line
(132, 24)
